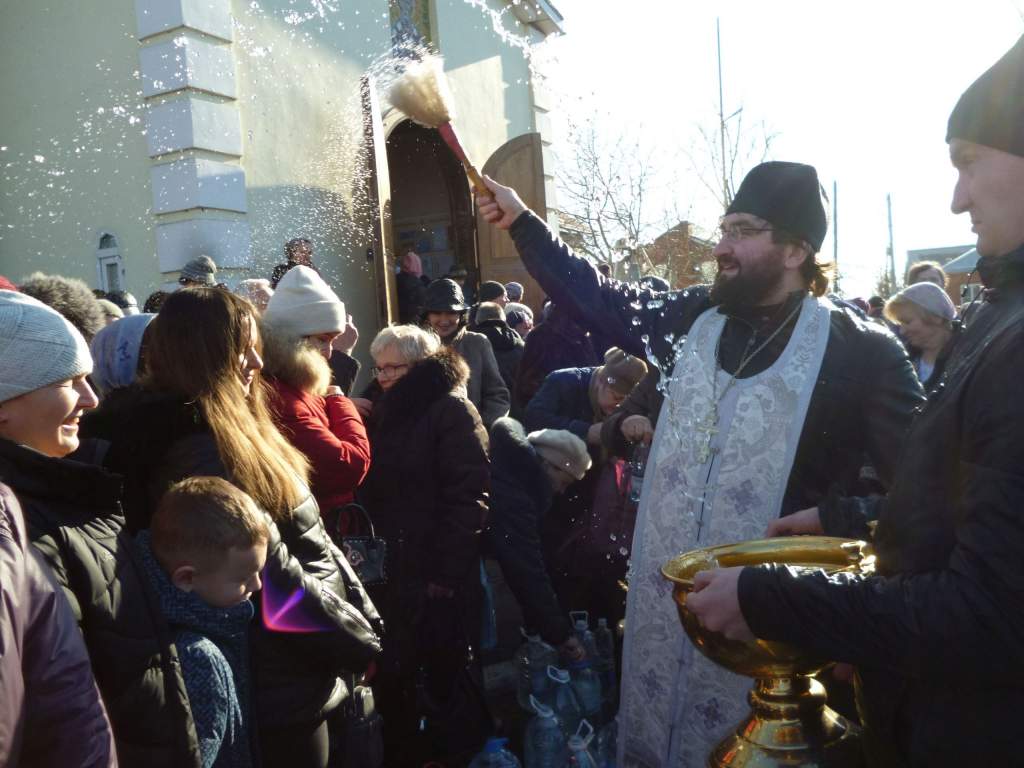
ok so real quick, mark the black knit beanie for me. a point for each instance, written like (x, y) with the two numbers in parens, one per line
(787, 196)
(991, 110)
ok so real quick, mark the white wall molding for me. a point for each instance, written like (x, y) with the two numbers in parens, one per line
(187, 62)
(191, 123)
(226, 241)
(212, 17)
(197, 183)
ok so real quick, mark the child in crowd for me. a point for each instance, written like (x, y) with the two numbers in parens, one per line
(204, 551)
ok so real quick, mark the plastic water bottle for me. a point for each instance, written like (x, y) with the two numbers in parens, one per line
(495, 755)
(544, 743)
(605, 745)
(581, 625)
(533, 659)
(637, 465)
(563, 701)
(579, 747)
(604, 664)
(587, 687)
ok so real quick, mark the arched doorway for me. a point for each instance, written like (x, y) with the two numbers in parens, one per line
(431, 208)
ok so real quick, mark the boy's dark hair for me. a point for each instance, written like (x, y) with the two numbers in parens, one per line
(201, 518)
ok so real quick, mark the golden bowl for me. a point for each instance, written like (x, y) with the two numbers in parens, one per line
(762, 658)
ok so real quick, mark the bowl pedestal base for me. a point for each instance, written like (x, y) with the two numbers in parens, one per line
(790, 726)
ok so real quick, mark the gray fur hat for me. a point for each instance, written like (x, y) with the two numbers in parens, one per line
(563, 449)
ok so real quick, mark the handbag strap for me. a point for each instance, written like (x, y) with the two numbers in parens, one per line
(364, 514)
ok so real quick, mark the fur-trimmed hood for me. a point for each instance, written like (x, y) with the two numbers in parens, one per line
(426, 381)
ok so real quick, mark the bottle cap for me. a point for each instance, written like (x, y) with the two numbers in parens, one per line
(495, 745)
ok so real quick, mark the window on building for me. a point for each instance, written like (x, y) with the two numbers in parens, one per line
(410, 25)
(109, 264)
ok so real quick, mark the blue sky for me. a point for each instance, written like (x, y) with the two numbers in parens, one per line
(862, 91)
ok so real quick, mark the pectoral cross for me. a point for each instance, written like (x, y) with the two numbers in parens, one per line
(709, 427)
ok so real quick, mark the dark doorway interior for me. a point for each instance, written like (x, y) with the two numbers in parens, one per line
(431, 208)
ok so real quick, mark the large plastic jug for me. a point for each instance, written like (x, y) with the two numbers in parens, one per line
(563, 701)
(587, 686)
(581, 626)
(533, 659)
(605, 663)
(579, 747)
(544, 743)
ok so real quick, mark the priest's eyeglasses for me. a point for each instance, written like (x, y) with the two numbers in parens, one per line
(388, 371)
(737, 232)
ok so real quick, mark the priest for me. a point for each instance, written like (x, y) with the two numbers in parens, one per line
(938, 636)
(773, 397)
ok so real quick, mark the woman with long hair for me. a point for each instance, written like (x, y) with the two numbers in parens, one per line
(200, 409)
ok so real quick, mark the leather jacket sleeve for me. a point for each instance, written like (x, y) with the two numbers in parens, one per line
(892, 396)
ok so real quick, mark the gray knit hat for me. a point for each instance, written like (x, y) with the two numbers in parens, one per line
(201, 269)
(563, 449)
(38, 347)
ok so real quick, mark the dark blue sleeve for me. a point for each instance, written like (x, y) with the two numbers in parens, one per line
(622, 313)
(211, 691)
(550, 407)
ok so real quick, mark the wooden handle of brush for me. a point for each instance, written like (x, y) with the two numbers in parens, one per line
(477, 180)
(447, 131)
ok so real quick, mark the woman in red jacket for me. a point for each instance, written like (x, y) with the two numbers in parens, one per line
(301, 322)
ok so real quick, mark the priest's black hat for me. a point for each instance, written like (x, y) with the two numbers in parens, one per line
(991, 110)
(787, 196)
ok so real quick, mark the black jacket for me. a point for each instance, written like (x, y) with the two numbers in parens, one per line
(938, 637)
(74, 520)
(156, 440)
(555, 344)
(508, 348)
(427, 485)
(862, 403)
(412, 295)
(521, 495)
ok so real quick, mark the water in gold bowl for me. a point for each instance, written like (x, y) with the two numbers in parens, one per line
(789, 724)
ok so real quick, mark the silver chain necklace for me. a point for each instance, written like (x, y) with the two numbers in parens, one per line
(709, 426)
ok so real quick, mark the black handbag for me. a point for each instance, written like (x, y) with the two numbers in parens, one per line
(360, 731)
(366, 554)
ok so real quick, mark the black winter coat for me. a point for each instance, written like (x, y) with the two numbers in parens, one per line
(521, 495)
(427, 485)
(74, 518)
(412, 295)
(156, 440)
(555, 344)
(508, 348)
(938, 637)
(866, 392)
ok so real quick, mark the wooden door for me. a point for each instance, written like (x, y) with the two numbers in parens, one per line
(380, 249)
(519, 164)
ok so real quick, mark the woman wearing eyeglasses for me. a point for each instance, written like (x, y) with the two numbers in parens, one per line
(427, 494)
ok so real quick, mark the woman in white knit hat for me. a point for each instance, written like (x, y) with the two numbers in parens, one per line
(75, 523)
(925, 314)
(300, 325)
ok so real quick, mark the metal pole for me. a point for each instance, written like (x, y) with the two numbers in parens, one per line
(892, 256)
(835, 231)
(721, 118)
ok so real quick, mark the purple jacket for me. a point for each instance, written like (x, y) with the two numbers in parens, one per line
(52, 714)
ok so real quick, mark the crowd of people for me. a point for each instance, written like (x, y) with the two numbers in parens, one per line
(215, 552)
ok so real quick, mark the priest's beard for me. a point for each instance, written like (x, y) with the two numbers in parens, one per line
(755, 282)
